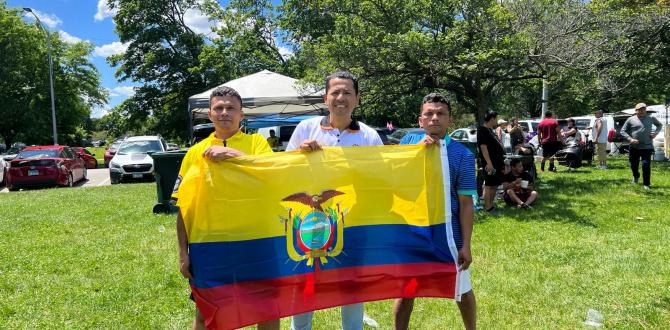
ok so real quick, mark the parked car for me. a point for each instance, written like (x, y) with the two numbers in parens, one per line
(109, 153)
(383, 133)
(465, 134)
(398, 134)
(172, 146)
(3, 170)
(44, 166)
(468, 136)
(201, 132)
(133, 161)
(13, 151)
(87, 156)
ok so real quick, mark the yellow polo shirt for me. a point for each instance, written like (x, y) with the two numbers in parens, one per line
(254, 144)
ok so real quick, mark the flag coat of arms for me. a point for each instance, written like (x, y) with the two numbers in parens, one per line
(277, 235)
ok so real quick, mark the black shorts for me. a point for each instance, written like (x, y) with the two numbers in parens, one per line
(493, 180)
(549, 149)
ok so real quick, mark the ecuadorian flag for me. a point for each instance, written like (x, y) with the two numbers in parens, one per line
(278, 235)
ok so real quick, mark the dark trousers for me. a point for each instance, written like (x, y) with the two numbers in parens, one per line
(634, 157)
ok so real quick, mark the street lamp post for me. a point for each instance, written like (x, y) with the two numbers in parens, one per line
(51, 76)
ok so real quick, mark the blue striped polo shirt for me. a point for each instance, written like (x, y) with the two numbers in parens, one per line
(461, 173)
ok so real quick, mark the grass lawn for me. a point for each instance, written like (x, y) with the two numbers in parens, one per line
(98, 258)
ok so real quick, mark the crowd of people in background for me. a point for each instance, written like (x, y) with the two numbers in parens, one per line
(501, 145)
(516, 182)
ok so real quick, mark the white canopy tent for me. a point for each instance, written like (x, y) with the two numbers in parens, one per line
(265, 93)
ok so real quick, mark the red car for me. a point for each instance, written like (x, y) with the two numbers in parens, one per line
(111, 151)
(87, 156)
(45, 166)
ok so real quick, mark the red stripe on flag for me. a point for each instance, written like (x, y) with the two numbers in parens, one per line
(238, 305)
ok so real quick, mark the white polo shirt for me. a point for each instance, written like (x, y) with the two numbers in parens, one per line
(319, 129)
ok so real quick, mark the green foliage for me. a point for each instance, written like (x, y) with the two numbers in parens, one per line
(25, 101)
(484, 54)
(163, 53)
(402, 50)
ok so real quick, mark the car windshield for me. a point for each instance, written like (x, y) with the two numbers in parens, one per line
(14, 150)
(40, 153)
(582, 124)
(399, 133)
(115, 145)
(139, 147)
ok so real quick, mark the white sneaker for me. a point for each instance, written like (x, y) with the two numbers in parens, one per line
(646, 187)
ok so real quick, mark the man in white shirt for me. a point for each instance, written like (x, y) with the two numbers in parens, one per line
(599, 134)
(336, 129)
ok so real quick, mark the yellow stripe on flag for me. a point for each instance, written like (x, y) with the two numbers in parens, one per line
(241, 198)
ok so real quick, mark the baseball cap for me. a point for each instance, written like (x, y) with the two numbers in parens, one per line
(640, 106)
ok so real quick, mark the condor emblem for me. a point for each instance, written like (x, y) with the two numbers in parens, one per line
(317, 235)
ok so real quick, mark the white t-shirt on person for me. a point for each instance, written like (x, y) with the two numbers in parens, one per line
(319, 129)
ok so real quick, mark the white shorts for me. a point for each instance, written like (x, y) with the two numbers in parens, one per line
(463, 282)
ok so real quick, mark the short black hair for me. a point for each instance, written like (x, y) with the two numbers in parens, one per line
(571, 120)
(342, 75)
(436, 98)
(490, 115)
(224, 91)
(548, 114)
(514, 161)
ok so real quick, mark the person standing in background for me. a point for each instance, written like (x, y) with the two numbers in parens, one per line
(637, 130)
(599, 134)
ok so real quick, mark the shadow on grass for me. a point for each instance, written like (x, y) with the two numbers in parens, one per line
(562, 198)
(663, 303)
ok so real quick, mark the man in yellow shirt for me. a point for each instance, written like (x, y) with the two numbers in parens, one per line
(227, 141)
(273, 140)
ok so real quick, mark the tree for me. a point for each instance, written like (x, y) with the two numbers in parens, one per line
(163, 54)
(24, 83)
(404, 49)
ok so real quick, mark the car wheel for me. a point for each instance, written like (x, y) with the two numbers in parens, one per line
(85, 177)
(113, 181)
(70, 181)
(13, 189)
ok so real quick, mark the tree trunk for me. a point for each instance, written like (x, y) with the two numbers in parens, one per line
(482, 103)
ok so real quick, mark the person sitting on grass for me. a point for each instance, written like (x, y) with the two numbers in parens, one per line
(518, 186)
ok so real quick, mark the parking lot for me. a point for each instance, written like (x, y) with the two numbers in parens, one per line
(96, 178)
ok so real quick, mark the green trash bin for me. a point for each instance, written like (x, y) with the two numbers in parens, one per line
(166, 170)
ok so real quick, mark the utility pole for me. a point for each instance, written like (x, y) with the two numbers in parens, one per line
(51, 76)
(545, 95)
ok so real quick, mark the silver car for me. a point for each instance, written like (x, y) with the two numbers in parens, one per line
(133, 161)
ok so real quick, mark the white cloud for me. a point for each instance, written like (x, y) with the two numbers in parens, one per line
(104, 11)
(114, 48)
(198, 21)
(125, 91)
(285, 52)
(70, 39)
(49, 20)
(99, 112)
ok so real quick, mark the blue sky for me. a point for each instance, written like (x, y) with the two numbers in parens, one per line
(91, 20)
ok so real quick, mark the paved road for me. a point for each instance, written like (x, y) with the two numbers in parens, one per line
(96, 177)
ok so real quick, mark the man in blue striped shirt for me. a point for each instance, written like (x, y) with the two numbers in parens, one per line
(435, 117)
